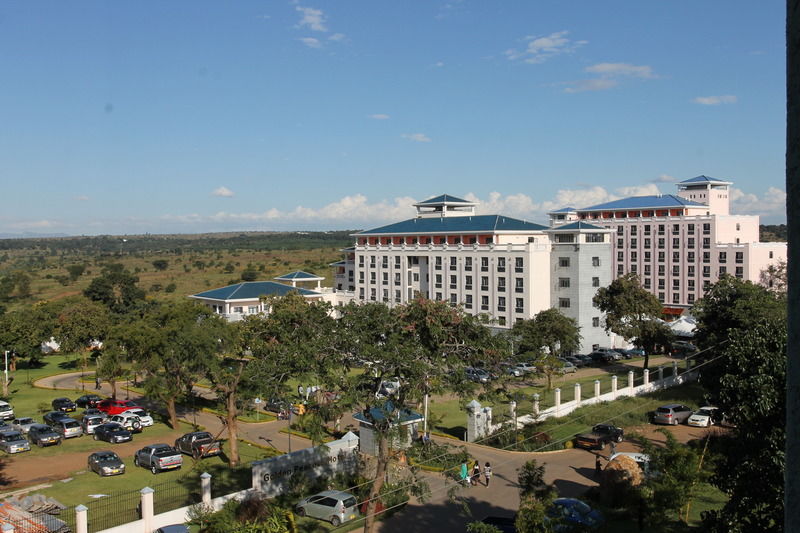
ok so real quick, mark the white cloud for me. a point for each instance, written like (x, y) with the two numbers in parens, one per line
(772, 203)
(379, 116)
(621, 69)
(82, 198)
(337, 37)
(664, 178)
(541, 48)
(715, 100)
(599, 84)
(416, 137)
(223, 192)
(638, 190)
(313, 18)
(311, 42)
(34, 225)
(439, 64)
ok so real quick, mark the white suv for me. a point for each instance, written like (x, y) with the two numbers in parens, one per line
(128, 420)
(144, 417)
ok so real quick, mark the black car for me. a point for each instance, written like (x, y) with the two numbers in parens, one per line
(601, 356)
(64, 404)
(106, 463)
(42, 435)
(54, 416)
(89, 400)
(112, 432)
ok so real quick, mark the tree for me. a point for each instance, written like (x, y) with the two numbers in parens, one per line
(160, 264)
(79, 323)
(536, 497)
(628, 307)
(115, 288)
(111, 368)
(75, 271)
(543, 337)
(24, 330)
(775, 277)
(249, 275)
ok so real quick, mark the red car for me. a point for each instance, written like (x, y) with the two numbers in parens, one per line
(115, 407)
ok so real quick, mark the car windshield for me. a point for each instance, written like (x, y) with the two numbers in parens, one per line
(105, 457)
(10, 437)
(25, 421)
(349, 502)
(581, 507)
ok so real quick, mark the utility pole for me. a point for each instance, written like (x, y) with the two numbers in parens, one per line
(5, 379)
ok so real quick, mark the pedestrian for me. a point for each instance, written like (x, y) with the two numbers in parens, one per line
(476, 474)
(613, 449)
(487, 472)
(96, 383)
(464, 474)
(597, 468)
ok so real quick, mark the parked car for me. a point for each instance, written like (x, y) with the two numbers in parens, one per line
(63, 404)
(566, 366)
(13, 441)
(575, 360)
(334, 506)
(115, 407)
(511, 370)
(67, 428)
(23, 424)
(682, 349)
(6, 411)
(198, 444)
(636, 352)
(106, 463)
(112, 432)
(571, 512)
(526, 368)
(43, 435)
(94, 411)
(602, 356)
(623, 353)
(158, 457)
(173, 528)
(90, 422)
(672, 414)
(88, 400)
(584, 358)
(478, 375)
(600, 435)
(52, 417)
(705, 416)
(129, 421)
(144, 417)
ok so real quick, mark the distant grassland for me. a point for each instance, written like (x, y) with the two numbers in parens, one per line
(195, 263)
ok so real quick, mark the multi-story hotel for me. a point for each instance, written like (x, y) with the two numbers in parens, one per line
(508, 268)
(680, 244)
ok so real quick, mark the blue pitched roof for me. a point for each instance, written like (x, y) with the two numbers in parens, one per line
(463, 224)
(250, 290)
(299, 275)
(398, 416)
(564, 210)
(576, 225)
(444, 198)
(646, 202)
(702, 179)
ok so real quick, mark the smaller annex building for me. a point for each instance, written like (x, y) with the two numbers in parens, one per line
(234, 302)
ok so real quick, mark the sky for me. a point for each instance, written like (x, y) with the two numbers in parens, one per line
(199, 116)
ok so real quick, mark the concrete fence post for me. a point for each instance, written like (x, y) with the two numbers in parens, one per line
(614, 387)
(81, 519)
(577, 395)
(630, 381)
(646, 377)
(535, 405)
(661, 377)
(147, 508)
(7, 528)
(597, 389)
(557, 400)
(674, 371)
(205, 487)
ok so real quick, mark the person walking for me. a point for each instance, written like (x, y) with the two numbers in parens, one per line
(464, 474)
(487, 472)
(476, 473)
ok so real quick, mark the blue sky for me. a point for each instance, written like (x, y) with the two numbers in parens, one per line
(196, 116)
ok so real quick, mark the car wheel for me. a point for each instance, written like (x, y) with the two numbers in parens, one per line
(95, 436)
(40, 444)
(619, 438)
(301, 511)
(154, 470)
(136, 460)
(335, 521)
(137, 426)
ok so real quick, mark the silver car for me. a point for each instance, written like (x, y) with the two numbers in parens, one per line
(23, 424)
(13, 441)
(67, 428)
(334, 506)
(672, 414)
(89, 422)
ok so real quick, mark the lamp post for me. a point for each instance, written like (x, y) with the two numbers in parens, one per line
(5, 379)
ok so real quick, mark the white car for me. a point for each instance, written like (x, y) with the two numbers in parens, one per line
(527, 368)
(704, 417)
(6, 411)
(388, 387)
(128, 420)
(144, 417)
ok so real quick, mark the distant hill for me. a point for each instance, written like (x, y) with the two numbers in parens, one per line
(773, 233)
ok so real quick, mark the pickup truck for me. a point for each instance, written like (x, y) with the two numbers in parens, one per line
(198, 444)
(158, 457)
(600, 435)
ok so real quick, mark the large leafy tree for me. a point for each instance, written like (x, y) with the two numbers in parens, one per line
(547, 334)
(78, 323)
(116, 288)
(24, 330)
(629, 309)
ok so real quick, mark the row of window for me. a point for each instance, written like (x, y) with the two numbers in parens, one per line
(661, 229)
(564, 283)
(438, 262)
(676, 271)
(519, 283)
(633, 242)
(519, 303)
(564, 262)
(691, 257)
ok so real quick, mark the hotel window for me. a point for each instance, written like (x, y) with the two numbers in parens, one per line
(563, 283)
(484, 283)
(361, 293)
(620, 256)
(647, 243)
(595, 237)
(385, 262)
(438, 263)
(438, 281)
(634, 269)
(385, 295)
(453, 263)
(484, 264)
(676, 229)
(634, 256)
(620, 230)
(453, 283)
(361, 260)
(723, 270)
(519, 305)
(468, 301)
(647, 283)
(620, 270)
(385, 278)
(690, 242)
(501, 264)
(484, 303)
(501, 303)
(518, 264)
(468, 264)
(690, 284)
(676, 298)
(634, 243)
(690, 257)
(595, 261)
(770, 255)
(661, 283)
(706, 285)
(438, 296)
(595, 282)
(647, 270)
(739, 257)
(397, 278)
(706, 229)
(676, 270)
(690, 229)
(740, 272)
(676, 256)
(563, 262)
(706, 271)
(453, 299)
(361, 276)
(633, 230)
(568, 238)
(416, 276)
(501, 284)
(595, 321)
(661, 297)
(660, 270)
(661, 229)
(620, 243)
(691, 298)
(676, 243)
(647, 229)
(676, 284)
(706, 257)
(647, 257)
(519, 284)
(397, 261)
(661, 257)
(372, 277)
(723, 257)
(372, 294)
(468, 283)
(661, 242)
(372, 261)
(563, 303)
